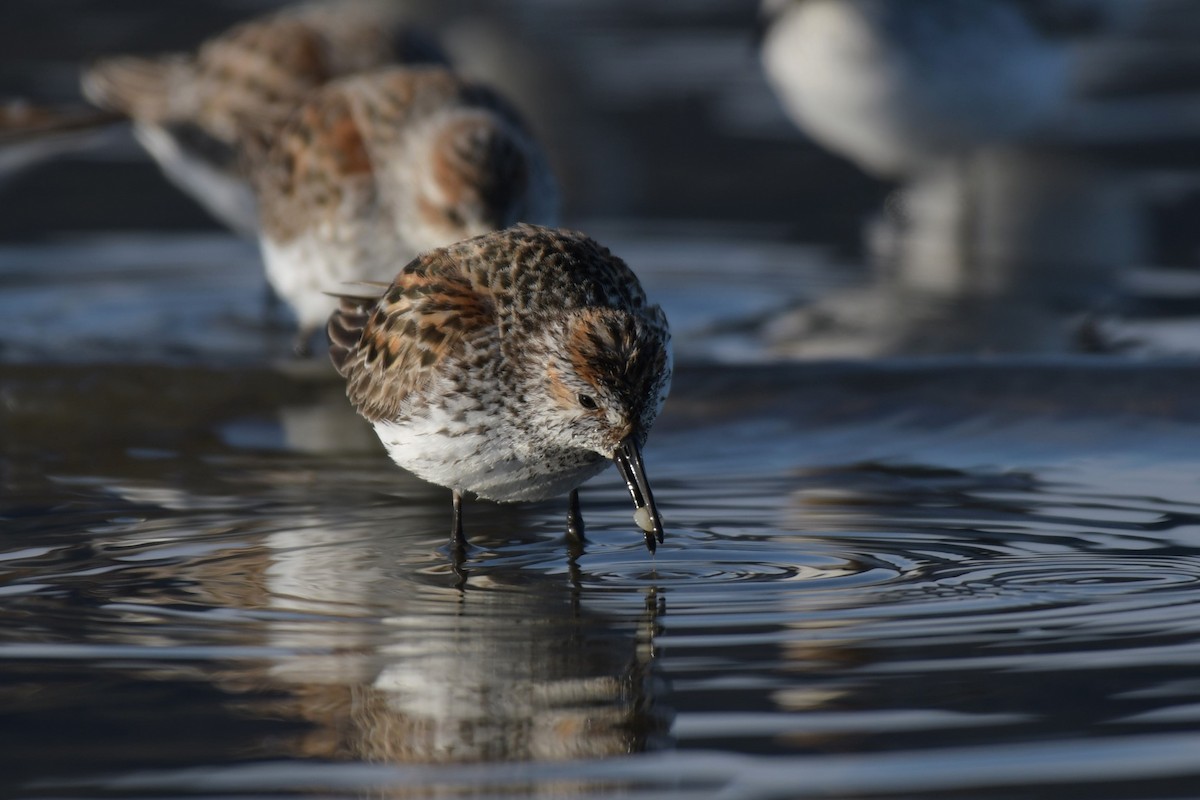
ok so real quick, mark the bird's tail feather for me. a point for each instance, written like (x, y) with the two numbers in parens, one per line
(145, 88)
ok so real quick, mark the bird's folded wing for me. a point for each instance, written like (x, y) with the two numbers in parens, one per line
(392, 347)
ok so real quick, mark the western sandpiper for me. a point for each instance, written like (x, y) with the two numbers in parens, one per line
(514, 366)
(188, 108)
(375, 168)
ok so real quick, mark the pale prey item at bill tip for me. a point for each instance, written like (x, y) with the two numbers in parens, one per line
(513, 366)
(374, 169)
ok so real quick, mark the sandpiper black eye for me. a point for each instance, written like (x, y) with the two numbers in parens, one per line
(587, 401)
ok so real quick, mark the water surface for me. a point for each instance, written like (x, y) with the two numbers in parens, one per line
(889, 581)
(967, 567)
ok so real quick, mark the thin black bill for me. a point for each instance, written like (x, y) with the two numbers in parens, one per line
(629, 461)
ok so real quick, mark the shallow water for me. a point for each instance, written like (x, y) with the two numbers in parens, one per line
(942, 573)
(902, 580)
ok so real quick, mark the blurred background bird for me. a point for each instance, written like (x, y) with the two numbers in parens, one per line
(1005, 124)
(187, 108)
(374, 169)
(898, 86)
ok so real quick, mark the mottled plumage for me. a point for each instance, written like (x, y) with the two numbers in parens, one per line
(514, 365)
(373, 169)
(189, 109)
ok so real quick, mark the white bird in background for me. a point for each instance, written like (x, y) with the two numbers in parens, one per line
(898, 86)
(1020, 129)
(913, 90)
(963, 100)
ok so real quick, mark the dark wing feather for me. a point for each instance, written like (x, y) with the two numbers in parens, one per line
(389, 349)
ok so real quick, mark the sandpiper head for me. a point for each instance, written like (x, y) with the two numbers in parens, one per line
(476, 176)
(605, 380)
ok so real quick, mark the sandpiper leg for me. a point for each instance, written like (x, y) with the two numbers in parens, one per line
(574, 518)
(456, 529)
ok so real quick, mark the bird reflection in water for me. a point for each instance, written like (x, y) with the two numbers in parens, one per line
(401, 668)
(303, 574)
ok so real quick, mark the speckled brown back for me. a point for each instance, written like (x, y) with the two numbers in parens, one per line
(486, 293)
(330, 157)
